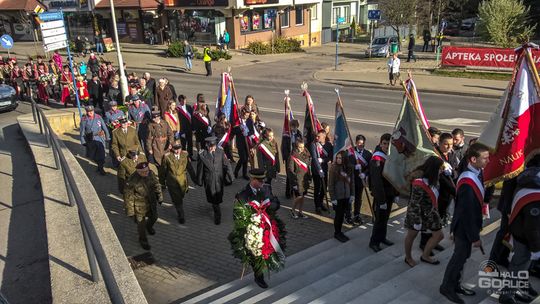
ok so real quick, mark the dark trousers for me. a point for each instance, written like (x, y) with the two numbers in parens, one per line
(380, 225)
(425, 48)
(208, 66)
(318, 191)
(228, 152)
(177, 196)
(358, 190)
(147, 222)
(241, 164)
(462, 251)
(499, 252)
(342, 205)
(520, 263)
(187, 142)
(411, 55)
(217, 211)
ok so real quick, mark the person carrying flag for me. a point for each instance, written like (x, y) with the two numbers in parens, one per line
(321, 154)
(359, 158)
(298, 177)
(268, 156)
(384, 194)
(288, 142)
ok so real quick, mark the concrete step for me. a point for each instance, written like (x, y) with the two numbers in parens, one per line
(422, 278)
(318, 265)
(412, 297)
(294, 265)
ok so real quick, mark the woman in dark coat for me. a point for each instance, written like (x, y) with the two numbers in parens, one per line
(220, 129)
(341, 189)
(241, 133)
(422, 211)
(299, 177)
(268, 156)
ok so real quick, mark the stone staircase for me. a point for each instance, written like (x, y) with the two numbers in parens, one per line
(332, 272)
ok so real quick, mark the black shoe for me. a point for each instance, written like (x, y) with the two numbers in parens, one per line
(323, 208)
(451, 296)
(145, 245)
(340, 237)
(375, 247)
(439, 248)
(150, 230)
(422, 248)
(181, 220)
(318, 211)
(260, 281)
(387, 242)
(358, 220)
(235, 174)
(348, 221)
(344, 236)
(217, 219)
(465, 291)
(507, 299)
(523, 296)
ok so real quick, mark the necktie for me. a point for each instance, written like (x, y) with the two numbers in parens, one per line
(177, 157)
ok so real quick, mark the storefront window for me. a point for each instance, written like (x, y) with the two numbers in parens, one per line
(299, 11)
(269, 21)
(194, 25)
(284, 18)
(245, 23)
(256, 21)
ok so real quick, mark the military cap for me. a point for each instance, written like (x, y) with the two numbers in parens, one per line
(156, 114)
(89, 108)
(123, 120)
(177, 145)
(135, 97)
(211, 140)
(257, 173)
(133, 152)
(142, 167)
(113, 103)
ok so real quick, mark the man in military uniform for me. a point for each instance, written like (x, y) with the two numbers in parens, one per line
(127, 167)
(213, 171)
(123, 139)
(140, 114)
(141, 196)
(257, 190)
(176, 165)
(160, 139)
(94, 135)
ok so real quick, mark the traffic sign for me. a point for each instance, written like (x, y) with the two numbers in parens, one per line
(374, 14)
(341, 20)
(55, 46)
(6, 41)
(53, 32)
(51, 16)
(51, 24)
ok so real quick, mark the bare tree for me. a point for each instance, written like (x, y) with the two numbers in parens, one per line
(398, 13)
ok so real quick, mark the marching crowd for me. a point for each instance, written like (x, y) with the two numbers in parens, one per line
(160, 139)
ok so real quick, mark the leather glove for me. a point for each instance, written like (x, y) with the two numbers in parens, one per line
(334, 202)
(417, 227)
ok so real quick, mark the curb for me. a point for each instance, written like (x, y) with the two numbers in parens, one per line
(398, 88)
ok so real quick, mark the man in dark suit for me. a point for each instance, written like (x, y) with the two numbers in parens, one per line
(213, 172)
(321, 154)
(384, 194)
(95, 91)
(185, 113)
(467, 221)
(150, 83)
(360, 160)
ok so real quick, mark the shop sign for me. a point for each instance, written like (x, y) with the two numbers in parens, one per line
(482, 57)
(194, 3)
(64, 5)
(260, 2)
(121, 27)
(133, 33)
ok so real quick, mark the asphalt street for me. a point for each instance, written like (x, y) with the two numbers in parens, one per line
(369, 111)
(24, 262)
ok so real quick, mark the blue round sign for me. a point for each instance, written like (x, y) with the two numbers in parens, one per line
(6, 41)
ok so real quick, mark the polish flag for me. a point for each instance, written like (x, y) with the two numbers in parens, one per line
(513, 131)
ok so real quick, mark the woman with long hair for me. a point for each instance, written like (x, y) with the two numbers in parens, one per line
(220, 129)
(422, 211)
(268, 156)
(341, 189)
(298, 175)
(171, 117)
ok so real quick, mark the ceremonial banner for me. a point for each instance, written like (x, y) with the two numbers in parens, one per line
(513, 132)
(483, 57)
(342, 139)
(288, 117)
(311, 122)
(227, 102)
(410, 142)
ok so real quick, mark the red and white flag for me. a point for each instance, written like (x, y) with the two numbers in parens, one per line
(513, 131)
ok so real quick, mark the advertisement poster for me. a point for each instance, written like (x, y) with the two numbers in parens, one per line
(108, 42)
(259, 2)
(121, 27)
(268, 21)
(482, 57)
(256, 21)
(182, 3)
(244, 23)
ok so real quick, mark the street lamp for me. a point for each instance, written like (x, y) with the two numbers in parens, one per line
(123, 79)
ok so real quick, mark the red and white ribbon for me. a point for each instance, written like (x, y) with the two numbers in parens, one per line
(379, 156)
(264, 149)
(261, 210)
(471, 179)
(432, 191)
(302, 165)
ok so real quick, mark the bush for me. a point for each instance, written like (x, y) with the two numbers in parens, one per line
(176, 49)
(281, 45)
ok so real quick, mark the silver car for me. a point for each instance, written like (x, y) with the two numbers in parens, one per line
(380, 46)
(8, 98)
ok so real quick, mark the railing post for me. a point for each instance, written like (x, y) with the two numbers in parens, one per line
(39, 121)
(55, 149)
(33, 103)
(48, 135)
(71, 196)
(89, 251)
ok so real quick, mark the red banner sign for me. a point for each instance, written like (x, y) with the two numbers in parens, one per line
(482, 57)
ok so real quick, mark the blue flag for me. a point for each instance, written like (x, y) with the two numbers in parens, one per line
(342, 141)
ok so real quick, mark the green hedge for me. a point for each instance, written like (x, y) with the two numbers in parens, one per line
(176, 49)
(281, 45)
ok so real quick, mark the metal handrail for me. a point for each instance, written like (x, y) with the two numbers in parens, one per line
(94, 248)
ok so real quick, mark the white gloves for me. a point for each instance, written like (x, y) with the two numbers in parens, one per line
(209, 130)
(417, 227)
(320, 160)
(383, 206)
(358, 167)
(295, 187)
(351, 200)
(334, 202)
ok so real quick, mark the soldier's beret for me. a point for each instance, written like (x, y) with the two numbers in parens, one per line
(142, 166)
(211, 140)
(113, 103)
(257, 173)
(89, 108)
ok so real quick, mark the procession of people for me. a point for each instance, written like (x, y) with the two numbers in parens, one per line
(151, 145)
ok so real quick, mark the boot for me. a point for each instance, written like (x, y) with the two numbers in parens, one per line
(145, 245)
(259, 279)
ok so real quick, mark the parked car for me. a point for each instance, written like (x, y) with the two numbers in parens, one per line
(452, 29)
(8, 98)
(380, 46)
(468, 24)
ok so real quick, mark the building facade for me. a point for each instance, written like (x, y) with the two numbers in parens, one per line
(345, 10)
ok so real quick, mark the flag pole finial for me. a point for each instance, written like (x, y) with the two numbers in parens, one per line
(337, 91)
(229, 69)
(287, 92)
(304, 86)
